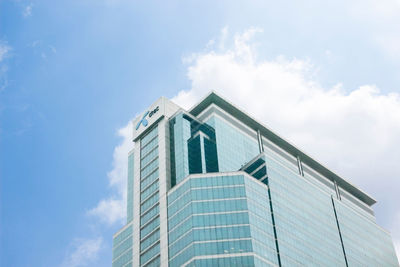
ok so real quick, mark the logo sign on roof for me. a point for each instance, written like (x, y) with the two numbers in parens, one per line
(144, 121)
(159, 109)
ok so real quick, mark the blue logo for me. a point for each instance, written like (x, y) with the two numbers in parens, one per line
(144, 120)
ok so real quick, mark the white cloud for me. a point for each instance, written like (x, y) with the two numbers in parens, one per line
(84, 252)
(4, 53)
(27, 10)
(4, 50)
(112, 209)
(355, 132)
(223, 38)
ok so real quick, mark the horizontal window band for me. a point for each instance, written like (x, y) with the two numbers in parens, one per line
(147, 186)
(148, 142)
(148, 197)
(148, 152)
(150, 162)
(150, 233)
(150, 221)
(202, 214)
(149, 247)
(151, 259)
(148, 210)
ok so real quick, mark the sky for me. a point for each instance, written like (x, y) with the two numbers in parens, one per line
(323, 74)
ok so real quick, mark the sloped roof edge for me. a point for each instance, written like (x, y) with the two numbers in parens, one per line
(214, 98)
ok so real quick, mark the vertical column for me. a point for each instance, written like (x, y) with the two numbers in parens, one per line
(136, 205)
(129, 205)
(337, 190)
(260, 142)
(274, 226)
(203, 154)
(300, 166)
(164, 180)
(338, 227)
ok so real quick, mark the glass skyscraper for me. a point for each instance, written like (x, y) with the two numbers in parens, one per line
(213, 187)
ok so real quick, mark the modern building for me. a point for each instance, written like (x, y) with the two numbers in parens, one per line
(214, 187)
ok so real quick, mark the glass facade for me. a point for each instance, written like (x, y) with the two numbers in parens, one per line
(220, 218)
(211, 187)
(290, 221)
(234, 148)
(123, 241)
(193, 147)
(305, 221)
(122, 247)
(129, 206)
(149, 199)
(365, 243)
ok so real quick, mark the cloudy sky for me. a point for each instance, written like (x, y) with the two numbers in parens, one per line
(323, 74)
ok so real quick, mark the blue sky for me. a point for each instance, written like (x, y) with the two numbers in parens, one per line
(73, 73)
